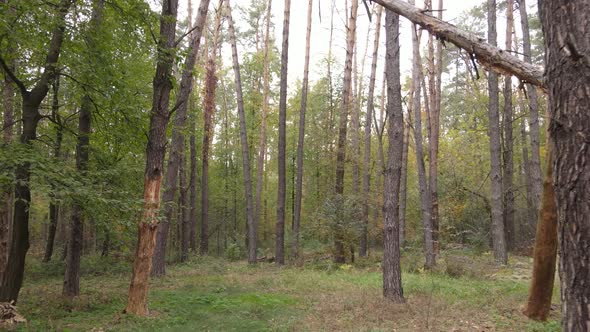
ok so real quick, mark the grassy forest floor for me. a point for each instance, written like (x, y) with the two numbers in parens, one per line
(466, 293)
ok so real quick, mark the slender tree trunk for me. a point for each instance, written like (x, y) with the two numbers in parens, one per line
(12, 276)
(252, 241)
(193, 184)
(6, 202)
(499, 242)
(177, 145)
(380, 128)
(282, 186)
(208, 122)
(343, 123)
(53, 206)
(404, 185)
(425, 194)
(260, 181)
(533, 104)
(368, 124)
(392, 283)
(567, 41)
(545, 254)
(531, 212)
(304, 88)
(508, 165)
(184, 228)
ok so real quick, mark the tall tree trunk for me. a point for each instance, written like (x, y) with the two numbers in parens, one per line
(508, 165)
(567, 44)
(193, 184)
(545, 254)
(380, 128)
(183, 207)
(425, 195)
(53, 206)
(404, 184)
(304, 88)
(156, 146)
(343, 123)
(252, 241)
(531, 211)
(260, 182)
(12, 276)
(368, 124)
(392, 283)
(533, 112)
(282, 186)
(499, 243)
(208, 123)
(160, 117)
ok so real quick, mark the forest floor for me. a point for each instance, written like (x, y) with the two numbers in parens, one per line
(467, 292)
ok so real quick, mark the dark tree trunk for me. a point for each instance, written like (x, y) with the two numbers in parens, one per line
(508, 165)
(498, 240)
(392, 283)
(177, 145)
(6, 192)
(567, 44)
(282, 186)
(12, 277)
(252, 241)
(299, 185)
(368, 124)
(339, 256)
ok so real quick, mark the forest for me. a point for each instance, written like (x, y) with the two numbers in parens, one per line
(311, 165)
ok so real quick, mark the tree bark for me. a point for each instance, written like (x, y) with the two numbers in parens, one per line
(343, 122)
(12, 276)
(304, 88)
(252, 241)
(508, 165)
(184, 209)
(567, 44)
(499, 243)
(404, 185)
(545, 254)
(177, 145)
(364, 238)
(392, 283)
(489, 55)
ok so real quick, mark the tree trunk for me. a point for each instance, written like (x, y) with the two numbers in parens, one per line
(425, 194)
(487, 54)
(364, 238)
(392, 283)
(567, 44)
(12, 276)
(193, 185)
(508, 165)
(533, 113)
(177, 145)
(404, 185)
(53, 207)
(208, 123)
(265, 102)
(531, 211)
(380, 128)
(545, 254)
(252, 241)
(304, 88)
(343, 122)
(499, 243)
(184, 229)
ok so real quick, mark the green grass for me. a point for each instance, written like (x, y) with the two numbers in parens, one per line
(208, 294)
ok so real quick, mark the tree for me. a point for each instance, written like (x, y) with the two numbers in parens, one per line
(243, 138)
(282, 186)
(368, 125)
(12, 276)
(343, 121)
(392, 283)
(499, 244)
(568, 84)
(304, 88)
(156, 146)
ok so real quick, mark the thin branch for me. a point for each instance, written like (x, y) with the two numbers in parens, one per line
(10, 73)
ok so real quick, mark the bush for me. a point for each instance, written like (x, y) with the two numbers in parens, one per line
(233, 252)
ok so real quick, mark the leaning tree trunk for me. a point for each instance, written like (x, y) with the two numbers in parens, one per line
(368, 125)
(12, 276)
(392, 283)
(343, 123)
(177, 146)
(244, 140)
(545, 254)
(567, 41)
(304, 88)
(282, 186)
(499, 243)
